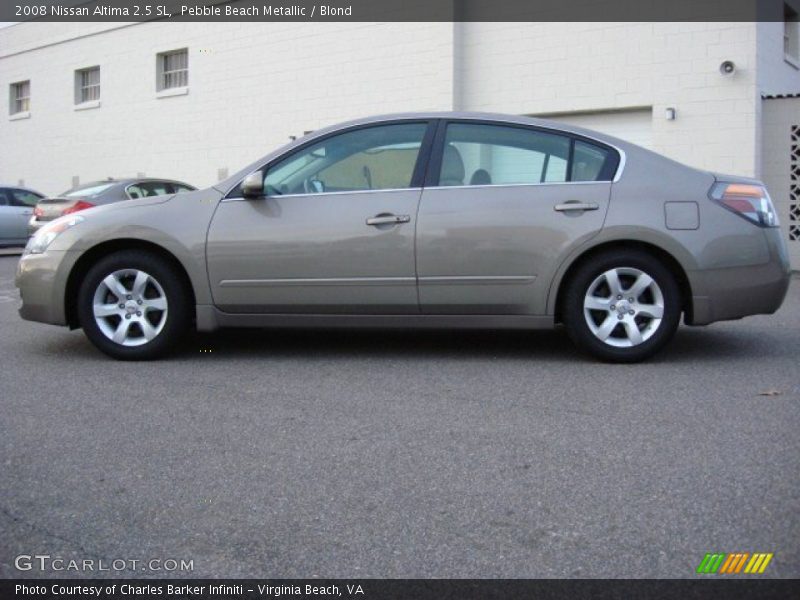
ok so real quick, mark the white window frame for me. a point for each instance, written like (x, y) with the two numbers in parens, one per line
(171, 80)
(87, 93)
(17, 103)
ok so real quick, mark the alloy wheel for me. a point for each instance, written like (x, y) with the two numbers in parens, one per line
(130, 307)
(623, 307)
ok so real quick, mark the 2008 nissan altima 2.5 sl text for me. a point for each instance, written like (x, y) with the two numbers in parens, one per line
(445, 220)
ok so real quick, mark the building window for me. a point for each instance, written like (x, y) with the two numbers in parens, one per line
(791, 33)
(87, 85)
(20, 97)
(173, 69)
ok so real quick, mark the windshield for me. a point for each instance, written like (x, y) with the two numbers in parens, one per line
(90, 190)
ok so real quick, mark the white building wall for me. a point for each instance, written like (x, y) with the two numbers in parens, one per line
(548, 68)
(777, 73)
(251, 85)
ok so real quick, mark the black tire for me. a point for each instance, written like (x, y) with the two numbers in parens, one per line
(587, 274)
(173, 322)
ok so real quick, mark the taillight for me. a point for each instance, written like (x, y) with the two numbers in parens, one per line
(747, 200)
(38, 212)
(80, 205)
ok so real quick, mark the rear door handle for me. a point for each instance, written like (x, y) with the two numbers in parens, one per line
(567, 206)
(388, 219)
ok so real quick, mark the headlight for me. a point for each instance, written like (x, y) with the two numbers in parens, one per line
(45, 236)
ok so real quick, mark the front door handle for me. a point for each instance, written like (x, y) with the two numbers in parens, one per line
(574, 205)
(388, 219)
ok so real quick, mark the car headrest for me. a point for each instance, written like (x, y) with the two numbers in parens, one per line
(452, 167)
(481, 177)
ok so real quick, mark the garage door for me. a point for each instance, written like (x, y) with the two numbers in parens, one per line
(634, 126)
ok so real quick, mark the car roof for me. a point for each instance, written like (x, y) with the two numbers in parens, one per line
(127, 181)
(21, 187)
(474, 116)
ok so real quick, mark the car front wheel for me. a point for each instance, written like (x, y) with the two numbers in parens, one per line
(622, 306)
(133, 305)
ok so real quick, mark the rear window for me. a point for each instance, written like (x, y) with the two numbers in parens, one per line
(88, 191)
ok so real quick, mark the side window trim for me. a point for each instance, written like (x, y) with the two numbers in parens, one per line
(610, 173)
(418, 174)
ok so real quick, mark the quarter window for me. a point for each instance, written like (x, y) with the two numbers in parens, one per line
(20, 97)
(173, 69)
(374, 158)
(588, 161)
(477, 154)
(87, 85)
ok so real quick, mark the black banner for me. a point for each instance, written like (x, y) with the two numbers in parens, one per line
(399, 589)
(396, 10)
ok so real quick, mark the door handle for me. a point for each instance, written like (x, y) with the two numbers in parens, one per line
(388, 219)
(573, 205)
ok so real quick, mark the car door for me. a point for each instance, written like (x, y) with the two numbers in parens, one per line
(333, 232)
(501, 206)
(16, 208)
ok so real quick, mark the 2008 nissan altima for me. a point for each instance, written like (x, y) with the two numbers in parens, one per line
(445, 220)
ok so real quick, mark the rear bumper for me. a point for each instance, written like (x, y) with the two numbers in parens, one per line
(736, 292)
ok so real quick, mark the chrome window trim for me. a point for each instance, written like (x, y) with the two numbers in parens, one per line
(316, 194)
(506, 185)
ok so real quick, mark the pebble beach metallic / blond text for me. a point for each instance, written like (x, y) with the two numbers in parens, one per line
(266, 10)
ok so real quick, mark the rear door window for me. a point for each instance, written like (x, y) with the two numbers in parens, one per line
(480, 154)
(25, 198)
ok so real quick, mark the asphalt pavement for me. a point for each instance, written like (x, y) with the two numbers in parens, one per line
(400, 454)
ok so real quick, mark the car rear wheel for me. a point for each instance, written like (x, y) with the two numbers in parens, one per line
(133, 305)
(622, 306)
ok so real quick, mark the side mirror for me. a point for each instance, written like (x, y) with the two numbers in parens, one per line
(253, 185)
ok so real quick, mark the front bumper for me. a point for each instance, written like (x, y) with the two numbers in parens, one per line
(42, 282)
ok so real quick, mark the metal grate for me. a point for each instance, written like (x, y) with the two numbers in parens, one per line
(174, 69)
(794, 185)
(89, 84)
